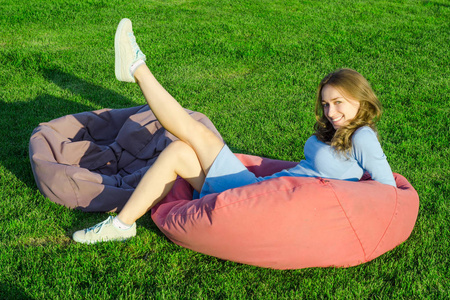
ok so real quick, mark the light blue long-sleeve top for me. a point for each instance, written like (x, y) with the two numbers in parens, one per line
(321, 160)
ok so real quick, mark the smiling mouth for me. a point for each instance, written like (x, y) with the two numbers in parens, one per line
(337, 119)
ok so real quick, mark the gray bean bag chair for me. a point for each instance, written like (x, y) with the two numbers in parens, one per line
(93, 161)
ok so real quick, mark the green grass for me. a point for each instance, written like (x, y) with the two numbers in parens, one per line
(252, 67)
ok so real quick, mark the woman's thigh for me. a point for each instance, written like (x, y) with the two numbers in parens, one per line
(206, 144)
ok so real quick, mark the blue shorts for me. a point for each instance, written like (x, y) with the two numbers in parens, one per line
(227, 172)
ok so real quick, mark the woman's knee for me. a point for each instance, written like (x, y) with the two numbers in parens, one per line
(185, 163)
(182, 155)
(179, 149)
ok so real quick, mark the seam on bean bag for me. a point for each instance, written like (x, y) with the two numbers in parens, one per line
(390, 222)
(71, 182)
(325, 182)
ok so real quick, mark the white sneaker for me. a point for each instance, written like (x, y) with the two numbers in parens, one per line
(104, 232)
(127, 51)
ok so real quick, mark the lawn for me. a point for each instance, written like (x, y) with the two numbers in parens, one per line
(252, 67)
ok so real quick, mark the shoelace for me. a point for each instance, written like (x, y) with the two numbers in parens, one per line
(98, 226)
(134, 45)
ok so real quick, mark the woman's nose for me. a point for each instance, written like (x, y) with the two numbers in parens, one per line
(330, 110)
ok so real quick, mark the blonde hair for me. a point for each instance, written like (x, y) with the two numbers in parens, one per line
(354, 86)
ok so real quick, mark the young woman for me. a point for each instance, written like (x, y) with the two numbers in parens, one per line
(345, 144)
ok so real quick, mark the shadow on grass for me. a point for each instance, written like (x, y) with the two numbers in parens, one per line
(434, 3)
(17, 121)
(94, 93)
(10, 291)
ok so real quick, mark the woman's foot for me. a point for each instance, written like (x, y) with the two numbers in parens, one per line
(104, 232)
(128, 54)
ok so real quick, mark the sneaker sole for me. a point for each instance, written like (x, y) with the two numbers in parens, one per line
(91, 242)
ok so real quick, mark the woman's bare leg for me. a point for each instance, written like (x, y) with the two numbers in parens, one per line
(176, 120)
(177, 159)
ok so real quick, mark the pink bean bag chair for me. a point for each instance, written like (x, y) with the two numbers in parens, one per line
(291, 222)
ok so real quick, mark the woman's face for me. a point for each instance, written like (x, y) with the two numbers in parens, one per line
(336, 108)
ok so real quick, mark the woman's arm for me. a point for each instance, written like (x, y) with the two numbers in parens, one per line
(369, 154)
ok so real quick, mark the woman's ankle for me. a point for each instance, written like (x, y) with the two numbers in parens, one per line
(122, 224)
(136, 67)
